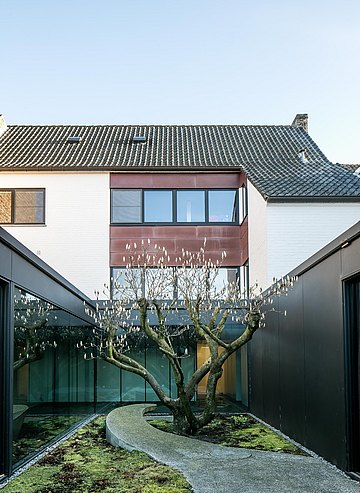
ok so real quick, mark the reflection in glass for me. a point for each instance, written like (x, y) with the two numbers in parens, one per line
(5, 207)
(127, 284)
(190, 206)
(222, 279)
(222, 206)
(158, 206)
(158, 366)
(29, 206)
(133, 386)
(52, 385)
(159, 284)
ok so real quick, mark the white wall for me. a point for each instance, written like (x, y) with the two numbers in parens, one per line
(75, 239)
(257, 224)
(297, 231)
(281, 236)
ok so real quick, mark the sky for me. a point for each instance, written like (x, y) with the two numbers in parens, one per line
(254, 62)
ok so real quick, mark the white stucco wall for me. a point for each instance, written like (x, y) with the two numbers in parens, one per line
(297, 231)
(281, 236)
(257, 231)
(75, 238)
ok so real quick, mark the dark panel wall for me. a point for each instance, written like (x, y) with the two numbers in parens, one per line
(297, 367)
(174, 238)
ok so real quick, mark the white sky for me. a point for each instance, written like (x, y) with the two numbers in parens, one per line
(188, 61)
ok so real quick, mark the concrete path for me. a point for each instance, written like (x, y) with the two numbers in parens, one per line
(213, 468)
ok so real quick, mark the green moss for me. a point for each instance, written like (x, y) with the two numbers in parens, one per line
(239, 431)
(87, 464)
(37, 431)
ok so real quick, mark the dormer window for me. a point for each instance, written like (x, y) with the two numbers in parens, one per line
(73, 139)
(138, 139)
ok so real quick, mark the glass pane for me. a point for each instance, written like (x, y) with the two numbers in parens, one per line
(133, 386)
(222, 206)
(5, 207)
(53, 386)
(108, 382)
(220, 279)
(191, 282)
(191, 206)
(159, 284)
(127, 283)
(244, 280)
(29, 207)
(158, 206)
(158, 366)
(126, 206)
(243, 203)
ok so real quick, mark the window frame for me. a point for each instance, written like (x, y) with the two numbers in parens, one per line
(13, 206)
(174, 221)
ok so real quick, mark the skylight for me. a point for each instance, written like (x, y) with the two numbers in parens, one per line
(73, 139)
(139, 139)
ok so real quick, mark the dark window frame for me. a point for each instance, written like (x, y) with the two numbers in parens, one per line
(174, 221)
(13, 206)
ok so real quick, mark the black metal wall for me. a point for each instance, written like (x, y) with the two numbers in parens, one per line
(297, 367)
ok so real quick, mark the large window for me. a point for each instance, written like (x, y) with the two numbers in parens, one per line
(174, 206)
(22, 206)
(129, 284)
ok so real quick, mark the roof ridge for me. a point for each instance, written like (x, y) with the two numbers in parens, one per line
(208, 125)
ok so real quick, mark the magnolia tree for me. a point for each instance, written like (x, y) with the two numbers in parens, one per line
(146, 300)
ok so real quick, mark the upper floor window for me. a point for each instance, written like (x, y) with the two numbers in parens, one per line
(22, 206)
(130, 206)
(243, 203)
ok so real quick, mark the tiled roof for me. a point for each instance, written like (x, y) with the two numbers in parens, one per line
(351, 167)
(268, 155)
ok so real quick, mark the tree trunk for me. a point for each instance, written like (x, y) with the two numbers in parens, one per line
(185, 423)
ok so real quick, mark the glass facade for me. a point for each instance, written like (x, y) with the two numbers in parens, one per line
(53, 386)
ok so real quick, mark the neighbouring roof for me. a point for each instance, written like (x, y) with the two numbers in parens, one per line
(269, 155)
(351, 167)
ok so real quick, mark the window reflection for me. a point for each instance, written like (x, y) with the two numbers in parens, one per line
(222, 206)
(191, 206)
(158, 206)
(53, 386)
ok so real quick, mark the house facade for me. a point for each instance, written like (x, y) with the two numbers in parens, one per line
(266, 195)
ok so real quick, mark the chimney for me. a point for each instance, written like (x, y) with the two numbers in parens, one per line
(3, 126)
(301, 121)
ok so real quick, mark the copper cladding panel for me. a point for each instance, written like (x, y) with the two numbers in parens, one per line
(176, 180)
(174, 238)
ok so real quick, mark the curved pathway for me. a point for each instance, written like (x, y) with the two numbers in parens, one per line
(213, 468)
